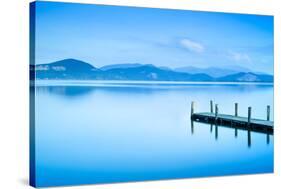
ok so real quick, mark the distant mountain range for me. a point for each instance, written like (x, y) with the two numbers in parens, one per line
(78, 70)
(212, 71)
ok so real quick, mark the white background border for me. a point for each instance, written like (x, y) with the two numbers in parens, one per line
(14, 41)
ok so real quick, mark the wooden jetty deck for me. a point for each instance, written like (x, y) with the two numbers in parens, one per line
(234, 121)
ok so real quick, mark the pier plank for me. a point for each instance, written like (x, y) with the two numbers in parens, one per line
(234, 121)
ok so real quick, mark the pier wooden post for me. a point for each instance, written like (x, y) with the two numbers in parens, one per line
(216, 111)
(236, 109)
(268, 113)
(249, 115)
(211, 106)
(192, 108)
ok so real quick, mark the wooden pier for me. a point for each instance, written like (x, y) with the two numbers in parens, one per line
(234, 121)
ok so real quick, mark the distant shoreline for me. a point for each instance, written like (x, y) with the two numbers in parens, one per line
(131, 82)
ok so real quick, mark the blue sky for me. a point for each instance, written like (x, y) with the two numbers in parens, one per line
(103, 35)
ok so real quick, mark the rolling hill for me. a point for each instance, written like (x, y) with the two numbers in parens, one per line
(72, 69)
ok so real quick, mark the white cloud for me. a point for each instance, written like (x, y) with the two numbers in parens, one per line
(239, 57)
(192, 45)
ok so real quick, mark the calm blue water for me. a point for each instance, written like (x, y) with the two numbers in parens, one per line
(100, 133)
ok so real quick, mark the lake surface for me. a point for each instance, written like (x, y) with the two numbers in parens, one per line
(115, 132)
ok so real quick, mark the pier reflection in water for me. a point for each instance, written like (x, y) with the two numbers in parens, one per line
(216, 132)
